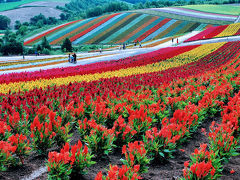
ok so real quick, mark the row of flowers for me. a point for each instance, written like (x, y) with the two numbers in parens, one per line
(92, 27)
(49, 32)
(232, 29)
(218, 31)
(19, 62)
(43, 62)
(223, 144)
(143, 24)
(87, 23)
(116, 71)
(140, 60)
(153, 29)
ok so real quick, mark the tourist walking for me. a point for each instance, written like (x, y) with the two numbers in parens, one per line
(124, 46)
(69, 58)
(74, 58)
(140, 45)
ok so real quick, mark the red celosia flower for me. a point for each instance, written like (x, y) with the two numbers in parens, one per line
(99, 176)
(232, 171)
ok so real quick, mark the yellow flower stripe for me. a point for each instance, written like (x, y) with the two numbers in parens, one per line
(230, 30)
(54, 63)
(15, 62)
(179, 60)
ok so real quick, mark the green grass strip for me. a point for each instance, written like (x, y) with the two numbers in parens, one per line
(218, 9)
(183, 18)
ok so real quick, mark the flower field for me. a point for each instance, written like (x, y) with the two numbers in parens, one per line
(144, 109)
(117, 28)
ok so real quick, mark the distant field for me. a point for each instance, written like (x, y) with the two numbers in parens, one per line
(220, 9)
(13, 5)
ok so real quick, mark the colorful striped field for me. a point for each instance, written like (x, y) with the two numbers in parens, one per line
(116, 29)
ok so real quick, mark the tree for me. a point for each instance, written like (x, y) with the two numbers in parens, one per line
(45, 44)
(94, 11)
(17, 25)
(62, 16)
(12, 0)
(12, 48)
(9, 44)
(4, 22)
(67, 45)
(51, 20)
(39, 18)
(22, 30)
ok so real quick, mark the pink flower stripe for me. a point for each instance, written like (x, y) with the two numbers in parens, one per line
(208, 33)
(93, 27)
(48, 32)
(152, 30)
(99, 67)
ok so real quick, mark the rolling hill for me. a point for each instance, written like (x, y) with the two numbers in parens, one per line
(118, 28)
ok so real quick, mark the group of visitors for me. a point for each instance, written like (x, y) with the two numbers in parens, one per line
(72, 58)
(124, 46)
(173, 40)
(140, 44)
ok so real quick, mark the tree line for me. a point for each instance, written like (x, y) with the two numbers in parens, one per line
(5, 1)
(91, 8)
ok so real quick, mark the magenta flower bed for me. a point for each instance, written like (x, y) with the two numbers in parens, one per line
(208, 33)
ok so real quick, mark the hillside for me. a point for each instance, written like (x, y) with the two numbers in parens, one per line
(14, 5)
(24, 10)
(139, 25)
(118, 28)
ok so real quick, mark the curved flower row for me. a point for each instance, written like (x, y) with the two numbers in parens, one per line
(218, 31)
(48, 32)
(99, 67)
(231, 30)
(41, 63)
(81, 28)
(150, 31)
(179, 60)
